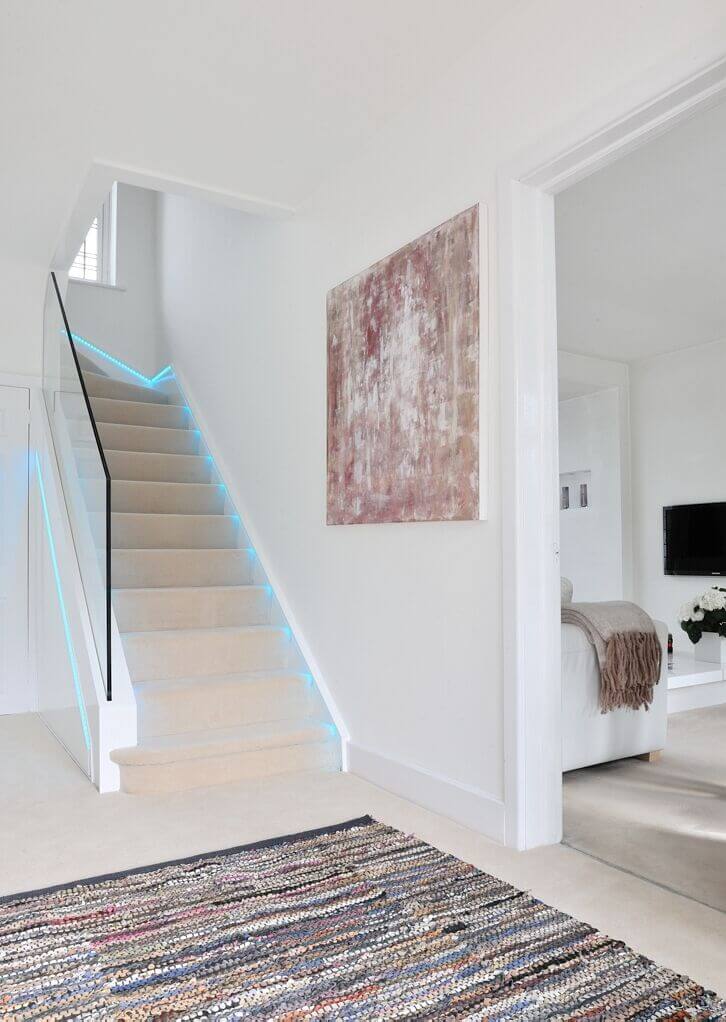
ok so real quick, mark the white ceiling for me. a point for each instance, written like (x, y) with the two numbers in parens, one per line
(258, 99)
(641, 247)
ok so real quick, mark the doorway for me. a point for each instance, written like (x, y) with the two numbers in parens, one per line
(641, 323)
(528, 327)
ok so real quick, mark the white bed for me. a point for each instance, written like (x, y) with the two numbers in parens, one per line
(590, 737)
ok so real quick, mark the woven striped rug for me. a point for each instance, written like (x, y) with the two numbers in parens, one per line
(358, 921)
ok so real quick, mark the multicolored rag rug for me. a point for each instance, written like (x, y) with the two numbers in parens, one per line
(356, 922)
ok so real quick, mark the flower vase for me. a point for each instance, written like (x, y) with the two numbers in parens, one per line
(711, 648)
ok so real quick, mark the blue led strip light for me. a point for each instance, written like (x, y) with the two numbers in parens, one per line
(66, 625)
(165, 374)
(148, 381)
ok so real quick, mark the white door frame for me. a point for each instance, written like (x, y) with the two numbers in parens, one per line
(528, 333)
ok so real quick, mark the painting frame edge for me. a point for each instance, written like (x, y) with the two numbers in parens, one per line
(484, 362)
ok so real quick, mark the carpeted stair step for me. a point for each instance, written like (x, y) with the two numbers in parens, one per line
(139, 610)
(88, 365)
(180, 653)
(230, 700)
(140, 413)
(168, 468)
(148, 497)
(155, 568)
(117, 436)
(224, 755)
(130, 530)
(222, 691)
(103, 386)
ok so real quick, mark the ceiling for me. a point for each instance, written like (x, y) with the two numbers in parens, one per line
(641, 247)
(249, 98)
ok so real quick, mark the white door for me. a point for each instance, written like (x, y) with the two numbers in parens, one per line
(15, 692)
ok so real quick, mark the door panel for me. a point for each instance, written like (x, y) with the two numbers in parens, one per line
(15, 692)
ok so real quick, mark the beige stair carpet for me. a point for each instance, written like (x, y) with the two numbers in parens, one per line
(222, 691)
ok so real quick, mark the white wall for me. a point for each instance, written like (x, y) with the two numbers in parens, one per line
(591, 539)
(679, 457)
(124, 320)
(405, 620)
(16, 694)
(580, 375)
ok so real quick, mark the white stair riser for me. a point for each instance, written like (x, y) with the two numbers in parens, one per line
(140, 610)
(139, 531)
(151, 439)
(154, 568)
(103, 386)
(183, 654)
(140, 413)
(155, 498)
(181, 776)
(167, 498)
(216, 703)
(162, 468)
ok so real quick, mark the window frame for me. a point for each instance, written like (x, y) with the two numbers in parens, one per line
(106, 245)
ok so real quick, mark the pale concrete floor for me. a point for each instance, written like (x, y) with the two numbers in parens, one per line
(664, 821)
(56, 828)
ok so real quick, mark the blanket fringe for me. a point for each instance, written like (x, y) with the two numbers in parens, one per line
(631, 671)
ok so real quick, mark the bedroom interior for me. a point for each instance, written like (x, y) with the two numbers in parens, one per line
(641, 311)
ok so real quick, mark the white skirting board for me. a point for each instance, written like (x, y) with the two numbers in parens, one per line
(470, 806)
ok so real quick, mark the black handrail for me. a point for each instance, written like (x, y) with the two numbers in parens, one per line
(107, 474)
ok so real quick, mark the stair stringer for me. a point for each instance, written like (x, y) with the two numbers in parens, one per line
(264, 572)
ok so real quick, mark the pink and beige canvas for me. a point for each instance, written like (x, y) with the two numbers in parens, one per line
(403, 383)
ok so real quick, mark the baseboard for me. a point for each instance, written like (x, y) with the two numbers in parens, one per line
(463, 803)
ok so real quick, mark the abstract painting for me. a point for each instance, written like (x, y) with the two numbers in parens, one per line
(403, 383)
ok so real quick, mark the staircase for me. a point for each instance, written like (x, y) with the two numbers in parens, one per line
(223, 693)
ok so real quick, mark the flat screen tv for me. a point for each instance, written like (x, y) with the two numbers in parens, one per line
(694, 539)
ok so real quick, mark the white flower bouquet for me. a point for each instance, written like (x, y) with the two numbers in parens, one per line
(707, 613)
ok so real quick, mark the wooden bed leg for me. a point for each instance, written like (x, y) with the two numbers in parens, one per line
(651, 757)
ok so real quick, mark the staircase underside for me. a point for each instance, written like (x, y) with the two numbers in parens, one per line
(222, 691)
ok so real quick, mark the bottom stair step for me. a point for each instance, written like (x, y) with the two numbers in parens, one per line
(199, 759)
(178, 705)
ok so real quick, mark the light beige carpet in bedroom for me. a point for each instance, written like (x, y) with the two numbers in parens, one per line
(664, 821)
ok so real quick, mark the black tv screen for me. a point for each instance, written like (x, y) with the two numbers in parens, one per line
(694, 539)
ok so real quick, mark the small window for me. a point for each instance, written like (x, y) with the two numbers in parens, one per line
(88, 264)
(96, 259)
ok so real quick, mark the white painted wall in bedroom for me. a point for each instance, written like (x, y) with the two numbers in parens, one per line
(679, 457)
(125, 321)
(591, 539)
